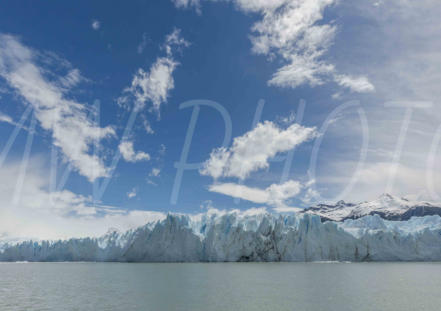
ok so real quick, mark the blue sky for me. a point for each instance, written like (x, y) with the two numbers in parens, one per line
(346, 72)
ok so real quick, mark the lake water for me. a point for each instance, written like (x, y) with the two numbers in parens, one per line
(220, 286)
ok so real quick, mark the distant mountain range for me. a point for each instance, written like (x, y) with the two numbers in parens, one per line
(386, 206)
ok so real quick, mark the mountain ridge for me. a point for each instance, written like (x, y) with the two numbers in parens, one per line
(387, 206)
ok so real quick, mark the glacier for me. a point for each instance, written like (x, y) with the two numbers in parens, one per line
(234, 236)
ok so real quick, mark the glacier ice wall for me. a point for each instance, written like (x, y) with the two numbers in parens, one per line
(239, 236)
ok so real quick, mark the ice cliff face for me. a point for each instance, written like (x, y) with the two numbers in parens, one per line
(259, 236)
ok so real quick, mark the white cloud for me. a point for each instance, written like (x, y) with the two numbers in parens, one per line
(133, 193)
(142, 45)
(66, 119)
(294, 31)
(339, 175)
(251, 151)
(148, 127)
(41, 214)
(409, 180)
(129, 154)
(279, 193)
(174, 41)
(255, 195)
(311, 196)
(96, 25)
(259, 5)
(287, 209)
(72, 79)
(274, 195)
(211, 211)
(287, 119)
(6, 119)
(291, 31)
(396, 48)
(401, 54)
(151, 182)
(187, 4)
(355, 84)
(155, 172)
(155, 85)
(162, 150)
(300, 71)
(404, 57)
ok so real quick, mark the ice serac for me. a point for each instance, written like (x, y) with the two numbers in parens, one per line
(242, 236)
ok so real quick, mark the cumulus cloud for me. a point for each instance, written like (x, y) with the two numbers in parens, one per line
(65, 118)
(274, 195)
(290, 29)
(294, 32)
(251, 151)
(129, 154)
(155, 85)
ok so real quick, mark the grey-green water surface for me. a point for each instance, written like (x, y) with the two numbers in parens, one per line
(220, 286)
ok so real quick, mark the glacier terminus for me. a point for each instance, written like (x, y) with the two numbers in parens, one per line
(256, 235)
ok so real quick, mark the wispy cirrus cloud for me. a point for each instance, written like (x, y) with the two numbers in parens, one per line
(42, 214)
(142, 45)
(64, 118)
(396, 47)
(6, 119)
(275, 195)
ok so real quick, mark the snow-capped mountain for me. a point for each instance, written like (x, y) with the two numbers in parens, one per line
(248, 236)
(386, 206)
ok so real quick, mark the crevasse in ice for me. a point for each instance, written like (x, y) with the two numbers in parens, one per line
(244, 236)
